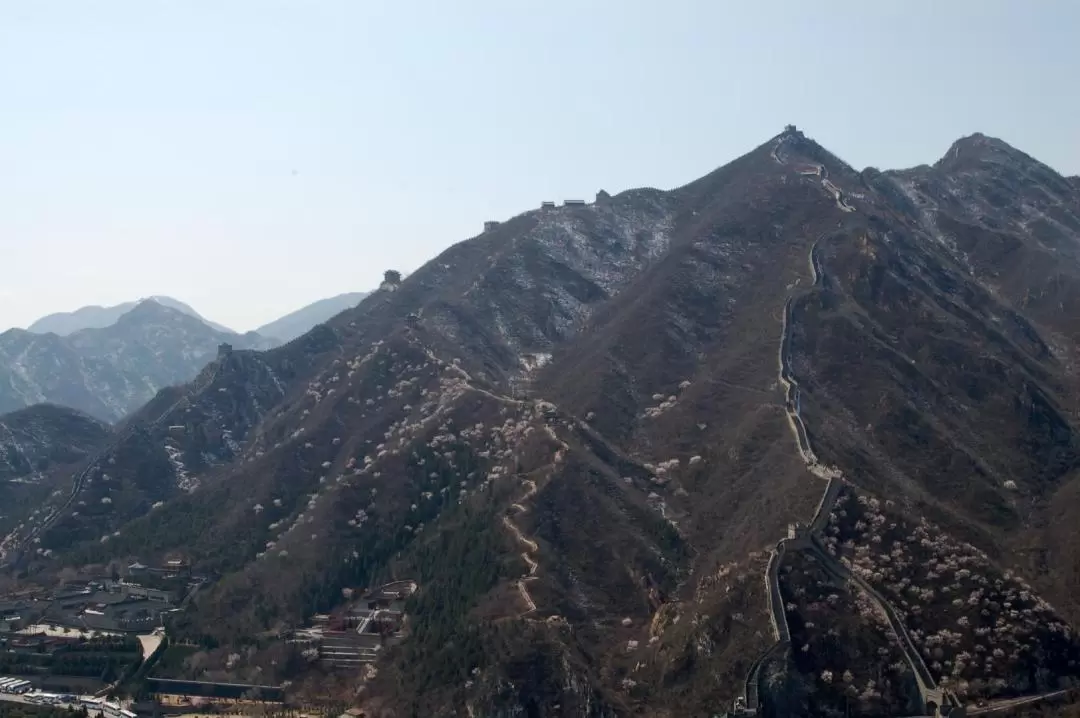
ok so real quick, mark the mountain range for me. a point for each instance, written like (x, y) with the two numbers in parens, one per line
(793, 438)
(110, 371)
(96, 317)
(109, 361)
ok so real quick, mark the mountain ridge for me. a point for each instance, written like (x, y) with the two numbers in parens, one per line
(110, 371)
(625, 449)
(99, 317)
(28, 444)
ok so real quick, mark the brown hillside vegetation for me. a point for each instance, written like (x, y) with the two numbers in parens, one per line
(586, 432)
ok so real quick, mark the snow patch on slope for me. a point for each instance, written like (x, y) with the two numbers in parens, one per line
(573, 259)
(184, 480)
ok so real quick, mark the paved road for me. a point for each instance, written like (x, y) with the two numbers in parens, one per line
(25, 700)
(996, 706)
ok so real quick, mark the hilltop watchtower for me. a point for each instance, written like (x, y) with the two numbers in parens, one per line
(798, 535)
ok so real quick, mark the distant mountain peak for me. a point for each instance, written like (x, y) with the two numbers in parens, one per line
(151, 307)
(979, 153)
(97, 317)
(184, 308)
(982, 148)
(110, 371)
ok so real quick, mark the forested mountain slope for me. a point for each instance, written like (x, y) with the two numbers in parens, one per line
(39, 448)
(792, 433)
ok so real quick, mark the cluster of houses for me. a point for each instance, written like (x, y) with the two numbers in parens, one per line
(354, 635)
(109, 606)
(106, 605)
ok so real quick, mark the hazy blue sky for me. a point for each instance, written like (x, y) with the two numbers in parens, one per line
(250, 156)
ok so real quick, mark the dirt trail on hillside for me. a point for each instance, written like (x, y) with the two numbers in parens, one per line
(519, 506)
(531, 545)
